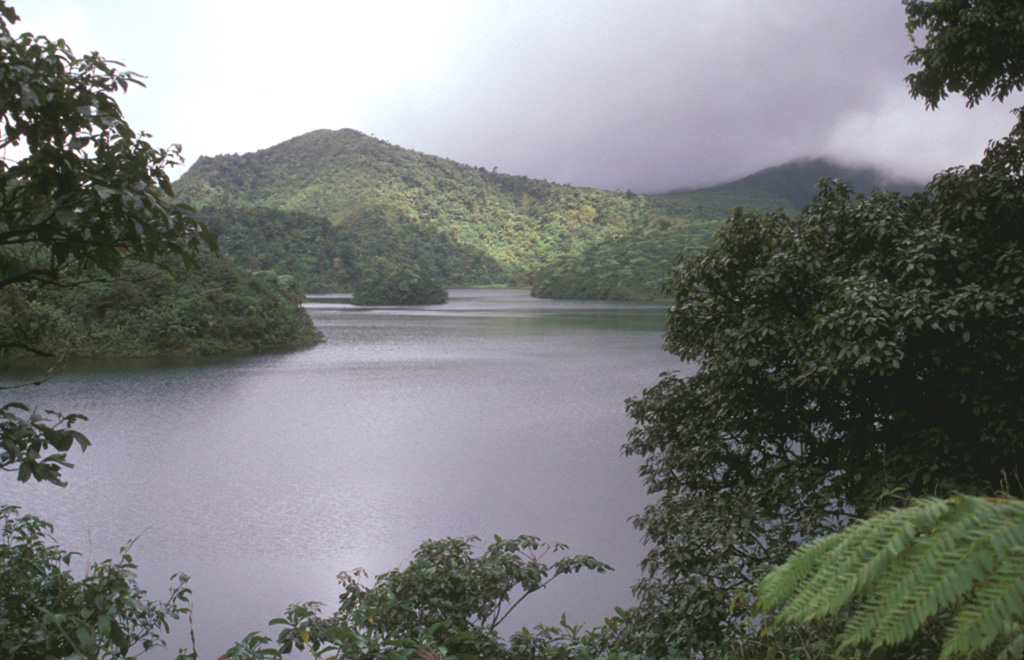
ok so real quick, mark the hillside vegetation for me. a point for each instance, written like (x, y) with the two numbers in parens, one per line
(337, 208)
(155, 310)
(630, 267)
(637, 264)
(356, 200)
(797, 180)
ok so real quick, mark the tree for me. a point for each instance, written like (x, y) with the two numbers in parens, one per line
(869, 347)
(399, 285)
(48, 613)
(448, 602)
(85, 195)
(971, 47)
(88, 193)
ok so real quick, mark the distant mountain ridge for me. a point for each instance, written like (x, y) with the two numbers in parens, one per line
(797, 180)
(333, 208)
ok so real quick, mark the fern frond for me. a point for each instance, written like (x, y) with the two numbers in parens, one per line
(1015, 649)
(899, 569)
(990, 616)
(916, 584)
(823, 590)
(939, 572)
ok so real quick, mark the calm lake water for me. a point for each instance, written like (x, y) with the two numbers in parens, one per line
(264, 476)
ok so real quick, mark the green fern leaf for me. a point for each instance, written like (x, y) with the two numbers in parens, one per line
(897, 570)
(991, 615)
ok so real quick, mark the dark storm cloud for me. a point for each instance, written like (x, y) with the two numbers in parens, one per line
(646, 94)
(652, 95)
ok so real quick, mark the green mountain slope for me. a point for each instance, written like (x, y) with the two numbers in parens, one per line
(796, 181)
(635, 266)
(368, 205)
(336, 208)
(631, 267)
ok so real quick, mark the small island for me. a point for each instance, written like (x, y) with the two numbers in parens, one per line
(406, 285)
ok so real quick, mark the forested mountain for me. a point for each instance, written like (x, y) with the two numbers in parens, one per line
(635, 266)
(359, 204)
(796, 181)
(334, 208)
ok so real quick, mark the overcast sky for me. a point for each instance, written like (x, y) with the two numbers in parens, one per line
(641, 94)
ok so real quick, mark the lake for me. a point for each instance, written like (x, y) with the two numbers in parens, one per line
(264, 476)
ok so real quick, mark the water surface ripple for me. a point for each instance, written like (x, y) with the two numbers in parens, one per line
(263, 476)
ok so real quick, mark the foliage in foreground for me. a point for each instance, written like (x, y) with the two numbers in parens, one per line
(89, 192)
(866, 346)
(86, 194)
(955, 564)
(972, 47)
(448, 602)
(36, 445)
(869, 345)
(46, 613)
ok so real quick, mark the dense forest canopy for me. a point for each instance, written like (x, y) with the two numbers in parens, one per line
(156, 309)
(392, 203)
(402, 285)
(333, 207)
(861, 352)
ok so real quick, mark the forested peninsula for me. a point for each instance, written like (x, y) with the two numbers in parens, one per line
(159, 308)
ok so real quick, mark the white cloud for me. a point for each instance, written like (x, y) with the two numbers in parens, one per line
(648, 95)
(905, 139)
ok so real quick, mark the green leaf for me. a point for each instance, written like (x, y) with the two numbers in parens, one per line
(964, 555)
